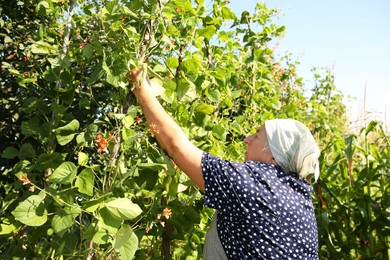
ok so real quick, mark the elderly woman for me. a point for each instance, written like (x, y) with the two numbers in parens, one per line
(264, 208)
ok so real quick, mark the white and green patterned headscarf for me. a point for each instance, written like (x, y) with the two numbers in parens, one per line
(293, 147)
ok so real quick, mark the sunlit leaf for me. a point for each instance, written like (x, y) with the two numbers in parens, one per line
(126, 242)
(66, 133)
(172, 62)
(65, 218)
(64, 174)
(207, 32)
(128, 121)
(85, 182)
(82, 159)
(32, 211)
(214, 95)
(123, 208)
(205, 108)
(8, 228)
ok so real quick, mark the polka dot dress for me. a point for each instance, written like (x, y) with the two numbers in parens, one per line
(263, 213)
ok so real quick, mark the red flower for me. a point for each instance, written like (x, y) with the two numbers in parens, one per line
(138, 119)
(167, 213)
(24, 179)
(101, 149)
(98, 137)
(153, 128)
(102, 143)
(111, 137)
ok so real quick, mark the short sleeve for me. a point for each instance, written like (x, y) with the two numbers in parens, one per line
(216, 183)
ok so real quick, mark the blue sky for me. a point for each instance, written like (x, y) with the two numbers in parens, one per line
(352, 37)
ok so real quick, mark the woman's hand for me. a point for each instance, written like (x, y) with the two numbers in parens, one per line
(134, 76)
(139, 78)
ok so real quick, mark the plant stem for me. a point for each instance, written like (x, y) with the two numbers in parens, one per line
(54, 116)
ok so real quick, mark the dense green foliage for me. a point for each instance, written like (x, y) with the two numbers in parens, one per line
(82, 175)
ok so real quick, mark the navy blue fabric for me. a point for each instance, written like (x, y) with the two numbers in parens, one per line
(263, 213)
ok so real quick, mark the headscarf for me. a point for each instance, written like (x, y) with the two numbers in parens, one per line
(293, 147)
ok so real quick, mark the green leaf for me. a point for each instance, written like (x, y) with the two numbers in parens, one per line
(106, 228)
(64, 219)
(126, 242)
(85, 182)
(108, 222)
(82, 159)
(64, 174)
(41, 47)
(126, 10)
(223, 36)
(213, 95)
(42, 7)
(27, 151)
(170, 87)
(186, 89)
(236, 93)
(92, 205)
(153, 166)
(66, 133)
(205, 108)
(10, 152)
(46, 161)
(31, 127)
(127, 121)
(219, 132)
(172, 62)
(123, 208)
(21, 167)
(97, 73)
(88, 50)
(207, 32)
(31, 211)
(228, 14)
(112, 6)
(97, 234)
(192, 66)
(156, 87)
(7, 39)
(8, 228)
(371, 126)
(80, 139)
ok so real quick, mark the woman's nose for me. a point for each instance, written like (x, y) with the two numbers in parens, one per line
(247, 139)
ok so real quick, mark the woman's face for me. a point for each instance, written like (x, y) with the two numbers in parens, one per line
(257, 147)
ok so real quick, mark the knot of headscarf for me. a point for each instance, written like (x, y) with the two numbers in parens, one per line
(293, 147)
